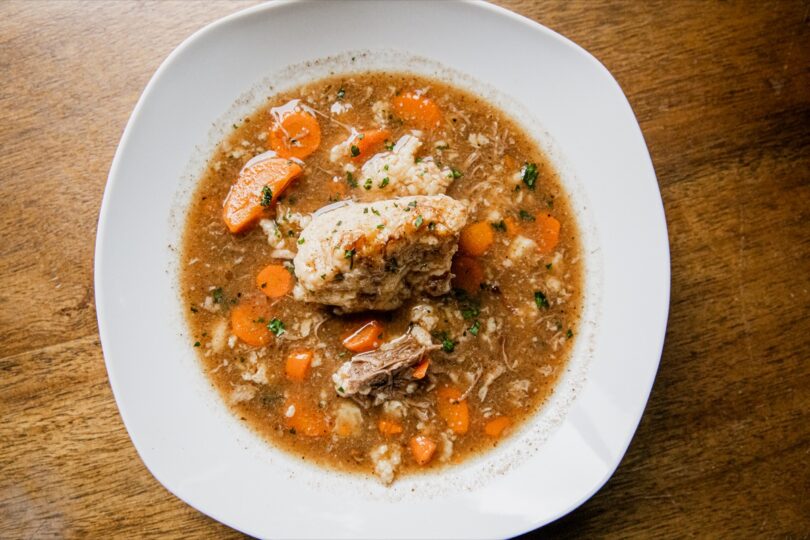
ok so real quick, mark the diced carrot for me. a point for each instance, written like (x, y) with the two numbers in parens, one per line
(496, 426)
(368, 142)
(468, 274)
(303, 419)
(548, 232)
(422, 448)
(417, 109)
(421, 370)
(389, 427)
(511, 226)
(476, 238)
(274, 280)
(297, 135)
(366, 338)
(296, 368)
(249, 321)
(257, 188)
(454, 411)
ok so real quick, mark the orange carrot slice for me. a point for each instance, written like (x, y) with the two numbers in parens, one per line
(476, 238)
(368, 142)
(296, 367)
(366, 338)
(249, 321)
(274, 280)
(548, 232)
(417, 109)
(303, 419)
(454, 412)
(389, 427)
(421, 370)
(496, 426)
(422, 449)
(468, 274)
(297, 135)
(257, 188)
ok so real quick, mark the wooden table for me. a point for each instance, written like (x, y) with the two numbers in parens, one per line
(722, 92)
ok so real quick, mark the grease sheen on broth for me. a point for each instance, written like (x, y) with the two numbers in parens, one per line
(503, 346)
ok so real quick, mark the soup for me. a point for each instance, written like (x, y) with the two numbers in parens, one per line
(381, 273)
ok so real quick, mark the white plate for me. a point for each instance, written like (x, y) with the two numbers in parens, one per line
(568, 100)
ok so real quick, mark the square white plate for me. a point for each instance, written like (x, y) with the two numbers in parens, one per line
(183, 431)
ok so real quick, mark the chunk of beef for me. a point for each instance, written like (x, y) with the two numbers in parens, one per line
(368, 372)
(373, 256)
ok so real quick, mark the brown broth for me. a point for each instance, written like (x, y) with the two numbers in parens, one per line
(530, 341)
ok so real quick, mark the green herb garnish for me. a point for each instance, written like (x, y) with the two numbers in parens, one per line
(526, 216)
(217, 294)
(475, 328)
(355, 151)
(499, 226)
(267, 196)
(541, 300)
(276, 326)
(530, 175)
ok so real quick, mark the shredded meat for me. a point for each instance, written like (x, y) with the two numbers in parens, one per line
(374, 256)
(373, 371)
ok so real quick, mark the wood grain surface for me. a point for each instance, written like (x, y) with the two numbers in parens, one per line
(722, 92)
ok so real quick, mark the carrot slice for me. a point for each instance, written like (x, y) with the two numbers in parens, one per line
(417, 109)
(296, 368)
(455, 412)
(421, 370)
(366, 338)
(476, 238)
(368, 142)
(389, 427)
(249, 321)
(297, 135)
(257, 188)
(468, 274)
(303, 419)
(548, 232)
(274, 280)
(496, 426)
(422, 448)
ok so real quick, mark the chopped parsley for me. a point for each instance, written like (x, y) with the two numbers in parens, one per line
(412, 204)
(569, 334)
(475, 328)
(341, 93)
(455, 173)
(526, 216)
(548, 266)
(384, 182)
(530, 175)
(381, 226)
(499, 226)
(375, 211)
(418, 221)
(432, 226)
(217, 295)
(276, 326)
(389, 146)
(267, 196)
(355, 151)
(349, 254)
(196, 343)
(301, 241)
(541, 300)
(350, 180)
(193, 309)
(448, 345)
(367, 184)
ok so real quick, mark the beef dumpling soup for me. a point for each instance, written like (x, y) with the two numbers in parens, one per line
(381, 273)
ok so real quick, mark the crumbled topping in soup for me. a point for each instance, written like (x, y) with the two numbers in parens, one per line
(381, 274)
